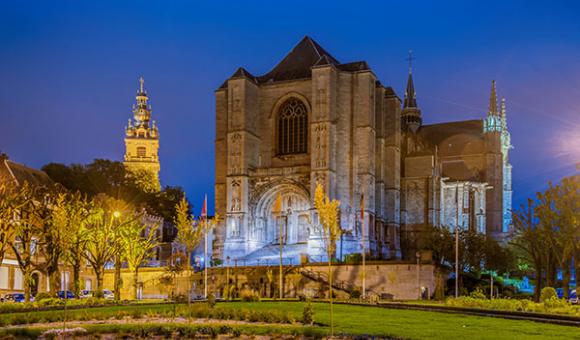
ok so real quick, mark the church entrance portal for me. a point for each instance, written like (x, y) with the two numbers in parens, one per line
(294, 220)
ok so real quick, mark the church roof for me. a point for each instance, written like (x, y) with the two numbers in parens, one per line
(436, 133)
(298, 63)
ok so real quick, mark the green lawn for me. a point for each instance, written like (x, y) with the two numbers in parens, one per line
(419, 324)
(358, 320)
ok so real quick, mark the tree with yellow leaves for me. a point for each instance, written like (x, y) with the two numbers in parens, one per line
(328, 211)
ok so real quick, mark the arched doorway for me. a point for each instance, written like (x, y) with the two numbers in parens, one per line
(34, 282)
(294, 221)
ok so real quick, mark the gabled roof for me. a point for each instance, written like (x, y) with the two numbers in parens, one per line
(298, 63)
(16, 173)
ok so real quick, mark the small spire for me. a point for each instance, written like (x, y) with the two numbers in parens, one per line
(493, 100)
(410, 60)
(503, 115)
(410, 94)
(141, 85)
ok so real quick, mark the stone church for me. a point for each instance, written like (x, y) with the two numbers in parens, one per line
(313, 119)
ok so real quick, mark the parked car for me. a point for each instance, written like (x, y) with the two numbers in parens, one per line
(573, 298)
(107, 294)
(69, 294)
(15, 297)
(85, 293)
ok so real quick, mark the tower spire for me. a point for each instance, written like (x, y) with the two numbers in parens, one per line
(141, 85)
(411, 115)
(410, 94)
(493, 100)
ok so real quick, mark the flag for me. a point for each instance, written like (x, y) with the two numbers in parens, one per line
(204, 208)
(277, 208)
(362, 207)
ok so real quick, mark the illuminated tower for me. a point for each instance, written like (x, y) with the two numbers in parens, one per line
(142, 144)
(492, 129)
(506, 145)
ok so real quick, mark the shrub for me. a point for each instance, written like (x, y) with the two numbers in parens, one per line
(211, 301)
(51, 302)
(547, 293)
(248, 295)
(355, 294)
(308, 314)
(477, 294)
(42, 296)
(355, 258)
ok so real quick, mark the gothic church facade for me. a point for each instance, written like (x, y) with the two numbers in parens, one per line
(313, 119)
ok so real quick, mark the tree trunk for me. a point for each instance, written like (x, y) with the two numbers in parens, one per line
(188, 277)
(576, 265)
(135, 283)
(539, 282)
(27, 284)
(54, 281)
(330, 293)
(76, 269)
(99, 275)
(118, 280)
(565, 279)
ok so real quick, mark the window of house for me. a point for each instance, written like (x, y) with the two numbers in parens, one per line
(292, 127)
(141, 151)
(4, 277)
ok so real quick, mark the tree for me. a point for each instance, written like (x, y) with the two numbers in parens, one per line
(558, 211)
(328, 212)
(187, 235)
(70, 214)
(9, 205)
(111, 178)
(27, 225)
(100, 239)
(54, 239)
(137, 241)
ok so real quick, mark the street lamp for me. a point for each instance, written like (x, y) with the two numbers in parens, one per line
(418, 255)
(116, 214)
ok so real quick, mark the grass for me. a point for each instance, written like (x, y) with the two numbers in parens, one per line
(349, 319)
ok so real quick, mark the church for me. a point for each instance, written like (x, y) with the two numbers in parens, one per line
(313, 119)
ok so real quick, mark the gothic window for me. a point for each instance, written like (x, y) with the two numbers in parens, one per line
(292, 127)
(141, 152)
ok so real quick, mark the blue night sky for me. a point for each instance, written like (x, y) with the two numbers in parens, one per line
(69, 71)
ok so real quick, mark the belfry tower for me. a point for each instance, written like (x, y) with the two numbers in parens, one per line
(142, 143)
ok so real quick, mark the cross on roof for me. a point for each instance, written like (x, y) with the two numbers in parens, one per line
(410, 59)
(141, 82)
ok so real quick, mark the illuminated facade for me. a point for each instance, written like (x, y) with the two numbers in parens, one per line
(312, 119)
(142, 143)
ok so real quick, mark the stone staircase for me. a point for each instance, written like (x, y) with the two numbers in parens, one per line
(345, 286)
(270, 255)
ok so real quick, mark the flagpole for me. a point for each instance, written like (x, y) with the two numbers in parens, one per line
(205, 250)
(364, 270)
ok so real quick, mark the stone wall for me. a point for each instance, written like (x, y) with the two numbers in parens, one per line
(398, 279)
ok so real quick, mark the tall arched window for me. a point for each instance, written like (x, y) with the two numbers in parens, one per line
(292, 127)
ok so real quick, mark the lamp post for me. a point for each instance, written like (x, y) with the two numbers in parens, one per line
(228, 277)
(457, 240)
(418, 255)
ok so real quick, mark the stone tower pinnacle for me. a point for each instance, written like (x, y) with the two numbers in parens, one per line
(142, 143)
(411, 114)
(493, 121)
